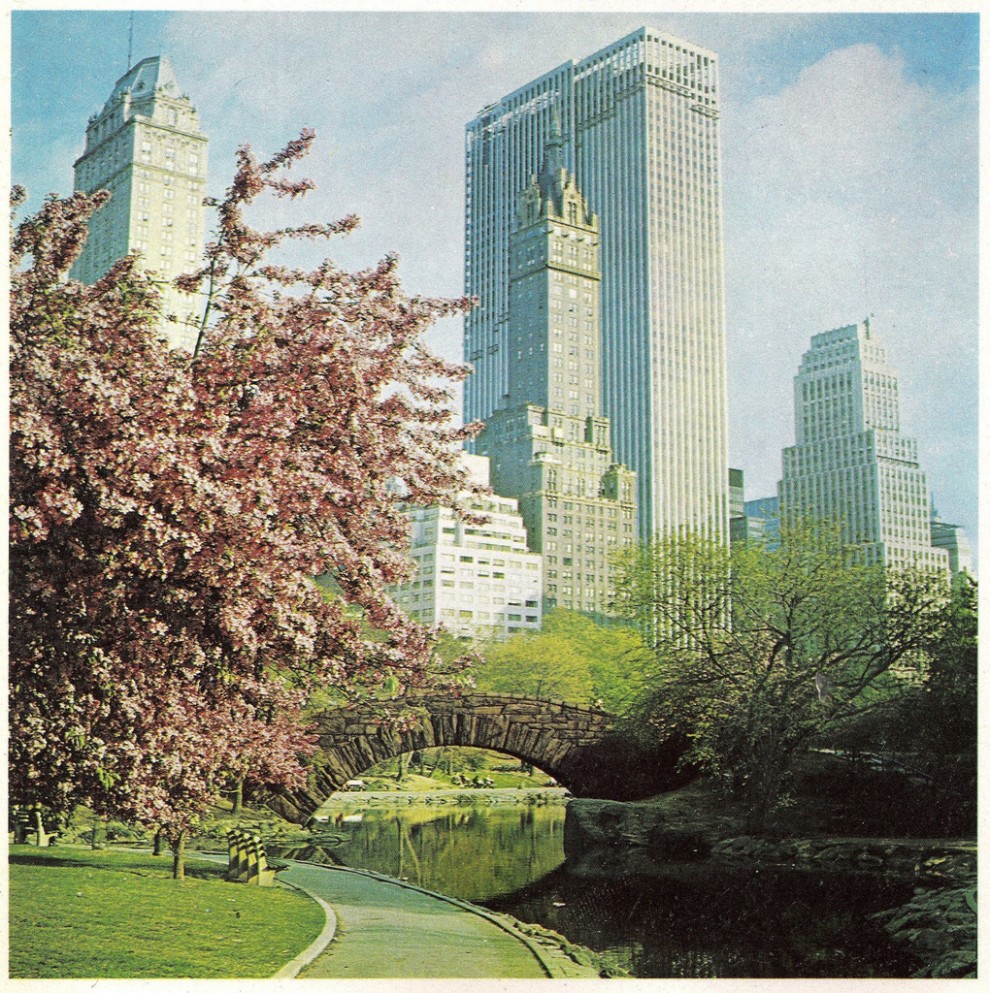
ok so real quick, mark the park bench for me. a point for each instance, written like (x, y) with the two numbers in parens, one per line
(27, 821)
(248, 860)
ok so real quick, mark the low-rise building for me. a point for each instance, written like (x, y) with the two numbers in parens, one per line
(476, 580)
(953, 539)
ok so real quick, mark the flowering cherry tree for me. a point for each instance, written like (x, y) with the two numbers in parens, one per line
(169, 512)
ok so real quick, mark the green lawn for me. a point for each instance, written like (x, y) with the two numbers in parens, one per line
(78, 913)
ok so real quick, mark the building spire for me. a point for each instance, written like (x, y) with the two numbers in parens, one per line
(552, 171)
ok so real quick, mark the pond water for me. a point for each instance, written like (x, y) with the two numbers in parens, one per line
(657, 921)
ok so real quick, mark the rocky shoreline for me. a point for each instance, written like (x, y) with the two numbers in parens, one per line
(938, 923)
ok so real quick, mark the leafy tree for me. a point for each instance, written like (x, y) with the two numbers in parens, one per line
(759, 651)
(949, 695)
(168, 511)
(572, 658)
(934, 728)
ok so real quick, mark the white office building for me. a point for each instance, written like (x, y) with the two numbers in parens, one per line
(851, 464)
(477, 580)
(640, 127)
(145, 146)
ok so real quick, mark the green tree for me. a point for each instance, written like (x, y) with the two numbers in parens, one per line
(572, 658)
(934, 727)
(761, 651)
(949, 695)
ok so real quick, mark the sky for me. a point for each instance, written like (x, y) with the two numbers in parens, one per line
(849, 174)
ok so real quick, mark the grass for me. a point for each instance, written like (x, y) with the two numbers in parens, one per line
(77, 913)
(413, 782)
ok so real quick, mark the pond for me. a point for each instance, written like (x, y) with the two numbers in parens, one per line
(686, 920)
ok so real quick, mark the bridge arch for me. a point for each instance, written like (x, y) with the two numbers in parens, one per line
(574, 744)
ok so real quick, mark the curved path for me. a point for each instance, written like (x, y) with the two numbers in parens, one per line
(386, 929)
(378, 928)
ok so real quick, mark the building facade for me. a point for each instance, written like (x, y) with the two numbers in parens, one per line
(640, 127)
(851, 464)
(548, 443)
(763, 520)
(146, 147)
(953, 538)
(478, 581)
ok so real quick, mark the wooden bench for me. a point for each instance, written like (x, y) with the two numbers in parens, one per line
(248, 861)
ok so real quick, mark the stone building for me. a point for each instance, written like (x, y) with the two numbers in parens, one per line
(146, 147)
(549, 443)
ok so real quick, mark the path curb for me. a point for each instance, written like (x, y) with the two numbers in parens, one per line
(534, 947)
(320, 944)
(316, 947)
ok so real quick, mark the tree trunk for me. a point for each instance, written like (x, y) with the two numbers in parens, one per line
(159, 848)
(39, 827)
(401, 772)
(767, 783)
(238, 798)
(179, 856)
(98, 836)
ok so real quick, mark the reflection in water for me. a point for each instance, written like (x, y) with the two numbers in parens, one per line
(675, 920)
(707, 921)
(473, 852)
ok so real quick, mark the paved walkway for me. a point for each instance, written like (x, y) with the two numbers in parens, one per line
(379, 928)
(386, 929)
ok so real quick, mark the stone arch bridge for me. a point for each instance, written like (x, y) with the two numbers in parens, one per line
(576, 745)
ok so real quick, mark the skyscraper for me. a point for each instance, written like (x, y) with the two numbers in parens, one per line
(640, 126)
(145, 146)
(953, 539)
(851, 463)
(549, 445)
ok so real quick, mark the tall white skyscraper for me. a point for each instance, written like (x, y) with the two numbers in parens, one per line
(145, 146)
(851, 465)
(640, 127)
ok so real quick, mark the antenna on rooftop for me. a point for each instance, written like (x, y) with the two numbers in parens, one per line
(130, 40)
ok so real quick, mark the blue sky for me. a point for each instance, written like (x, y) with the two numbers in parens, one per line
(850, 154)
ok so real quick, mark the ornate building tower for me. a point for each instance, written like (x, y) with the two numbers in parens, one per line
(851, 464)
(146, 148)
(640, 128)
(549, 443)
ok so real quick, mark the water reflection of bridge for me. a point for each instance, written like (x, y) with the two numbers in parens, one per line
(578, 746)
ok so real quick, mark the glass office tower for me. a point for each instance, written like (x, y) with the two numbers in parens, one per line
(640, 127)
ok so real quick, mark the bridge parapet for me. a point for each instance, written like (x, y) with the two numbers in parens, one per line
(567, 741)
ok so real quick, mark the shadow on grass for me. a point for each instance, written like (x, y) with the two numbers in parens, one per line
(48, 860)
(120, 862)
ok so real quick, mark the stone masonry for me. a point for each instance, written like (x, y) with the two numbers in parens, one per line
(555, 737)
